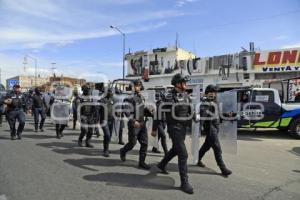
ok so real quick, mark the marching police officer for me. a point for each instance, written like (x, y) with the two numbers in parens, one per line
(60, 110)
(39, 107)
(16, 105)
(211, 128)
(178, 115)
(159, 125)
(89, 116)
(137, 130)
(105, 114)
(75, 104)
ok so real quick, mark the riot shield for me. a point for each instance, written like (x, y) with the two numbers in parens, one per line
(149, 96)
(118, 115)
(60, 112)
(227, 102)
(61, 108)
(195, 124)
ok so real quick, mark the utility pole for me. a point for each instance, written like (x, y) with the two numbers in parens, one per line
(124, 40)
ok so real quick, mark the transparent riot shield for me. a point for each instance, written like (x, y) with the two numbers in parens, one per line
(227, 102)
(195, 124)
(149, 96)
(118, 115)
(61, 108)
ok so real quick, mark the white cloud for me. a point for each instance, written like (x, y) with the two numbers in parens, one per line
(31, 24)
(180, 3)
(290, 46)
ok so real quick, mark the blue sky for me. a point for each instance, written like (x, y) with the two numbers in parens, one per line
(75, 34)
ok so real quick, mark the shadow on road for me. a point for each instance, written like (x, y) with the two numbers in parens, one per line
(70, 148)
(38, 136)
(88, 163)
(295, 151)
(4, 138)
(148, 181)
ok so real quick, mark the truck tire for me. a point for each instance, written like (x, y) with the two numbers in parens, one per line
(295, 128)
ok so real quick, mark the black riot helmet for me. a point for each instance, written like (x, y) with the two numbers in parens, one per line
(109, 93)
(85, 90)
(37, 90)
(179, 78)
(211, 88)
(135, 83)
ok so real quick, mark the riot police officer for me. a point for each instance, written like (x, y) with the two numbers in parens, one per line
(137, 130)
(178, 115)
(89, 116)
(39, 108)
(60, 111)
(75, 104)
(16, 105)
(211, 128)
(159, 125)
(105, 114)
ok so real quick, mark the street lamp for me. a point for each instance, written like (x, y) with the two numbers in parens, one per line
(35, 67)
(123, 34)
(53, 68)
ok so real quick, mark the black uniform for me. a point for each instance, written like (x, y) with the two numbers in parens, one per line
(60, 114)
(177, 130)
(39, 107)
(15, 111)
(159, 125)
(211, 129)
(210, 123)
(2, 108)
(75, 104)
(111, 118)
(136, 134)
(105, 116)
(89, 117)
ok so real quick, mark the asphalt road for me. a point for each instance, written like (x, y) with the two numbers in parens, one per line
(41, 167)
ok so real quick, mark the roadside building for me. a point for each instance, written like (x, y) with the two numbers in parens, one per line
(232, 70)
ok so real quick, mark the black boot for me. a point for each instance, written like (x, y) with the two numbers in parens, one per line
(36, 128)
(57, 134)
(225, 171)
(122, 155)
(200, 164)
(143, 165)
(88, 144)
(155, 150)
(105, 151)
(187, 188)
(162, 169)
(13, 137)
(80, 143)
(19, 136)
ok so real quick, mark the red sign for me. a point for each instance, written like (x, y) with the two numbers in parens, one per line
(279, 58)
